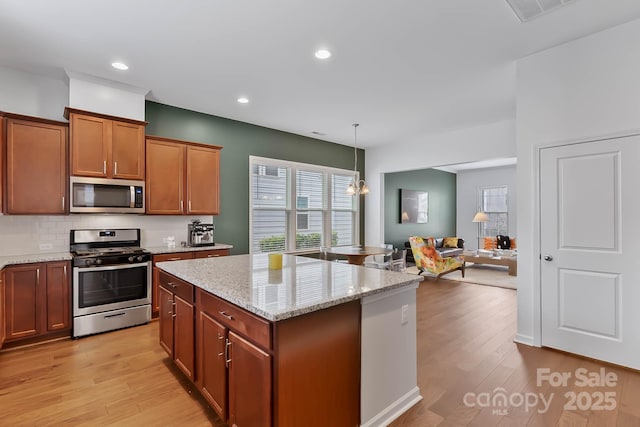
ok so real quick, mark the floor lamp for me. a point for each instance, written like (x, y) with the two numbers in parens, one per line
(480, 217)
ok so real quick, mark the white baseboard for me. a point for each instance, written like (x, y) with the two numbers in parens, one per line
(393, 411)
(525, 339)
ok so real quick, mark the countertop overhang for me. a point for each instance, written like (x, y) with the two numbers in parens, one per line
(303, 285)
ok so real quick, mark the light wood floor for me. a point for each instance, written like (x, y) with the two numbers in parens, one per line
(465, 345)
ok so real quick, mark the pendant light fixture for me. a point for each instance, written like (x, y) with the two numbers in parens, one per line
(356, 187)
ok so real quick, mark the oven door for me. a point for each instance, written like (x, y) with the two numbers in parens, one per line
(98, 289)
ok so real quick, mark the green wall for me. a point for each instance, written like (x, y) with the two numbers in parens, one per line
(442, 205)
(240, 140)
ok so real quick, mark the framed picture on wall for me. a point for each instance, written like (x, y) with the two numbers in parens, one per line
(414, 206)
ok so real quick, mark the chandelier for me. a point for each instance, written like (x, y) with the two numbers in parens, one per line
(356, 187)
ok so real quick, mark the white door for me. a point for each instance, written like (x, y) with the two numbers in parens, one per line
(590, 249)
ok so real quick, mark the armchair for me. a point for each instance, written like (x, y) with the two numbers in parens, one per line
(428, 260)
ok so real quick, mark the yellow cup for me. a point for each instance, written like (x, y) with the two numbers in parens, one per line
(275, 261)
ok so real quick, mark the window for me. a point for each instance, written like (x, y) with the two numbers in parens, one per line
(299, 207)
(494, 203)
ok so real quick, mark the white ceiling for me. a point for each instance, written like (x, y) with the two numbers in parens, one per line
(402, 69)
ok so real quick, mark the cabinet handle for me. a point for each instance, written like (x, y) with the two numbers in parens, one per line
(174, 259)
(221, 354)
(104, 167)
(64, 269)
(38, 275)
(115, 168)
(227, 353)
(224, 314)
(174, 309)
(189, 205)
(212, 256)
(181, 206)
(62, 202)
(173, 285)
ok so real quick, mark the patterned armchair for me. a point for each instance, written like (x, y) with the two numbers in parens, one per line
(428, 260)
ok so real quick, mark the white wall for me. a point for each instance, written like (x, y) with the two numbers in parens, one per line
(468, 185)
(580, 90)
(490, 141)
(32, 95)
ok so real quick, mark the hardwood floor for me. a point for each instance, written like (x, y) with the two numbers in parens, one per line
(465, 346)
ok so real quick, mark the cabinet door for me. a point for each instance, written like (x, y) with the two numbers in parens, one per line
(165, 178)
(212, 370)
(2, 307)
(90, 138)
(249, 384)
(58, 296)
(24, 291)
(36, 167)
(203, 181)
(184, 336)
(166, 320)
(127, 150)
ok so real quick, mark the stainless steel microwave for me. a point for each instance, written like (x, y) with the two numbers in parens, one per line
(101, 195)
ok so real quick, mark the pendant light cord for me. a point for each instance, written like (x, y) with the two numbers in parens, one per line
(355, 147)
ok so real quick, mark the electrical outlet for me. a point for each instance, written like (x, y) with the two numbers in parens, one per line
(405, 314)
(46, 246)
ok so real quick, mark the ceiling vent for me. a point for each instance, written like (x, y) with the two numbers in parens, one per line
(529, 9)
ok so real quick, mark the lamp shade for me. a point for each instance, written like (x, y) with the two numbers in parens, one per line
(480, 217)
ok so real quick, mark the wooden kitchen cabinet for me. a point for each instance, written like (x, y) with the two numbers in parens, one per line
(175, 256)
(234, 373)
(2, 138)
(2, 310)
(36, 166)
(105, 146)
(37, 300)
(177, 322)
(182, 178)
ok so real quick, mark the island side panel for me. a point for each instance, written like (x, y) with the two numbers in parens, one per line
(389, 355)
(317, 368)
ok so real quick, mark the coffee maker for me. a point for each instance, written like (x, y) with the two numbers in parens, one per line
(200, 234)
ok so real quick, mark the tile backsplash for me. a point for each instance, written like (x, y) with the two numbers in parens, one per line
(30, 234)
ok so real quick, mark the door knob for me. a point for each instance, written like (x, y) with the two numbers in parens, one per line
(548, 258)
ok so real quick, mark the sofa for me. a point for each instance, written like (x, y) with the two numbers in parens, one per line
(453, 247)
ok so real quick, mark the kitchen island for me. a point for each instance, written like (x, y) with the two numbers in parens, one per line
(315, 343)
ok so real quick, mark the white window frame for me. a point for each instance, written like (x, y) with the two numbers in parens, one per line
(481, 194)
(291, 209)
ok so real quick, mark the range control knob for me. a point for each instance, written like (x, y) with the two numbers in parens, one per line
(88, 261)
(131, 259)
(98, 261)
(139, 258)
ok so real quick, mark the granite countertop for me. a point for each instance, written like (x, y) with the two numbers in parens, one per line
(29, 258)
(302, 285)
(167, 250)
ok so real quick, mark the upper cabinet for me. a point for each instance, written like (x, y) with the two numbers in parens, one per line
(36, 166)
(2, 137)
(182, 178)
(105, 146)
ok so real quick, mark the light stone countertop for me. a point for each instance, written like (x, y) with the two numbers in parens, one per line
(167, 250)
(30, 258)
(303, 285)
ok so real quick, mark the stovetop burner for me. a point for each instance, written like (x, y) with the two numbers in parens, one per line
(107, 247)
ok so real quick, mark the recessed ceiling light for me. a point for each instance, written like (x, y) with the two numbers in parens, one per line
(243, 100)
(323, 54)
(120, 66)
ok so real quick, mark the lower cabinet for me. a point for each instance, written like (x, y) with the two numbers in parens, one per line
(37, 300)
(175, 256)
(177, 321)
(234, 374)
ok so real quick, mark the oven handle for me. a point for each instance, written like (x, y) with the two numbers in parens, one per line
(112, 267)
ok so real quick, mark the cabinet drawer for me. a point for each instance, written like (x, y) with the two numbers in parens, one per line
(182, 289)
(212, 253)
(237, 319)
(174, 256)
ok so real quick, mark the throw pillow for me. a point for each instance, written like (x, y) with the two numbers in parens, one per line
(450, 242)
(439, 242)
(489, 243)
(513, 243)
(503, 242)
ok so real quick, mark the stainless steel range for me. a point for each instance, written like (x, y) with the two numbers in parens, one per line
(111, 280)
